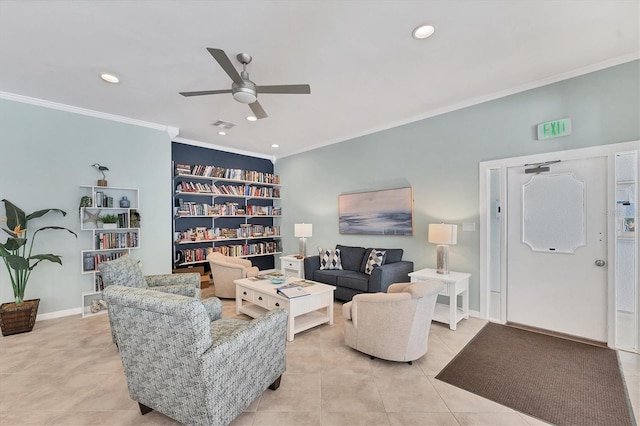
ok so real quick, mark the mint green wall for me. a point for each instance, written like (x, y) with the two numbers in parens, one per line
(45, 154)
(439, 158)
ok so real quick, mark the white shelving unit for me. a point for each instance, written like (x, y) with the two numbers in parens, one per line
(107, 243)
(227, 213)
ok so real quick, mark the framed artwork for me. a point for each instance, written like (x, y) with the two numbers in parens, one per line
(384, 212)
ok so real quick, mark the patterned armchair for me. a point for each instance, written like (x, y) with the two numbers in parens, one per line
(125, 271)
(188, 363)
(393, 325)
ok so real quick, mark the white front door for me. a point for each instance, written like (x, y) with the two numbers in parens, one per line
(557, 247)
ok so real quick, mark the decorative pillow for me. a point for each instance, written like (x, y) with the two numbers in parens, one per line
(123, 271)
(329, 258)
(376, 257)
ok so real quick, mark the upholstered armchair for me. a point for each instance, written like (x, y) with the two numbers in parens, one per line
(125, 271)
(189, 364)
(393, 325)
(226, 269)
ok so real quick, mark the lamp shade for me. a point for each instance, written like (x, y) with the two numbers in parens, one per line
(442, 233)
(303, 230)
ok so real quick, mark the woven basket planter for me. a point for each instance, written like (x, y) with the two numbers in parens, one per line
(20, 318)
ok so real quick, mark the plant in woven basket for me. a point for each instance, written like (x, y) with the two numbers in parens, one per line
(17, 251)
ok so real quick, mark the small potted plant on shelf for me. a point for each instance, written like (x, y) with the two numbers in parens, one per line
(20, 316)
(110, 221)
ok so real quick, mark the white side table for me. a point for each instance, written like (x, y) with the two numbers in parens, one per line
(291, 266)
(457, 283)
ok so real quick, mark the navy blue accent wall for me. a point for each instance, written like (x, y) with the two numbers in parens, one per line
(189, 154)
(192, 155)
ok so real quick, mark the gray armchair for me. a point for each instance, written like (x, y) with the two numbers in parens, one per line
(393, 325)
(125, 271)
(189, 364)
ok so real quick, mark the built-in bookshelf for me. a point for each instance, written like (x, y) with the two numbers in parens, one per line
(109, 241)
(227, 210)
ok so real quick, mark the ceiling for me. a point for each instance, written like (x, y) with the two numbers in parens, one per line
(365, 70)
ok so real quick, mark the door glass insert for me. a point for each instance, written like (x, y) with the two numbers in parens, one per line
(553, 215)
(494, 228)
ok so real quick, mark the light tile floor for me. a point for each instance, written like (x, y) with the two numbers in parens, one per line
(68, 372)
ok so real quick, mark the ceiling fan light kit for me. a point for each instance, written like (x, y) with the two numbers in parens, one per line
(243, 89)
(244, 95)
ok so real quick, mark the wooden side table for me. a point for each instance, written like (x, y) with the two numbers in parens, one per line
(457, 283)
(291, 266)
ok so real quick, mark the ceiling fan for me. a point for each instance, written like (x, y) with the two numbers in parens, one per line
(243, 89)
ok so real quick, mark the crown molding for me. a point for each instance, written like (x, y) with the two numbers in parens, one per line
(482, 99)
(171, 131)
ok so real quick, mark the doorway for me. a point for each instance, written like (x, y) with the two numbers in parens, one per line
(557, 248)
(615, 250)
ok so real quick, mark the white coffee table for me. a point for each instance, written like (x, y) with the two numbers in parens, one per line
(254, 298)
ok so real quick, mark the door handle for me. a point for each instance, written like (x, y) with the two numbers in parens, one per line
(600, 263)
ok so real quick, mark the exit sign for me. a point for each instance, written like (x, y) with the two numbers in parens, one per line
(554, 129)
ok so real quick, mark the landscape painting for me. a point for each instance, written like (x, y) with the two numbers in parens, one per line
(385, 212)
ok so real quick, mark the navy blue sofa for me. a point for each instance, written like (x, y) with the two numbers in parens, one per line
(352, 280)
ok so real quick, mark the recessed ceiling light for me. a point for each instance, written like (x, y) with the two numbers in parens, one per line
(423, 31)
(109, 78)
(251, 118)
(274, 145)
(221, 133)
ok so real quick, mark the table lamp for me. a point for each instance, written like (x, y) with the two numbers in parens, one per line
(303, 231)
(443, 234)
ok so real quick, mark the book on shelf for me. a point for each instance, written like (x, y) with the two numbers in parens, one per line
(224, 173)
(183, 169)
(292, 290)
(123, 220)
(115, 240)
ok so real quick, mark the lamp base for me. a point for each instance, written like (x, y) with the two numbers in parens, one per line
(442, 265)
(303, 248)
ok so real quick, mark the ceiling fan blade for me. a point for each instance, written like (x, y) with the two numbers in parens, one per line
(205, 92)
(226, 64)
(257, 110)
(303, 89)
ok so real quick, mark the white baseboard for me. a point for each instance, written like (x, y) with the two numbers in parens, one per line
(475, 314)
(59, 314)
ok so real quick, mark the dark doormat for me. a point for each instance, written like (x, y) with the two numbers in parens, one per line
(555, 380)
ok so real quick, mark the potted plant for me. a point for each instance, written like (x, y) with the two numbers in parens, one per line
(17, 253)
(110, 221)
